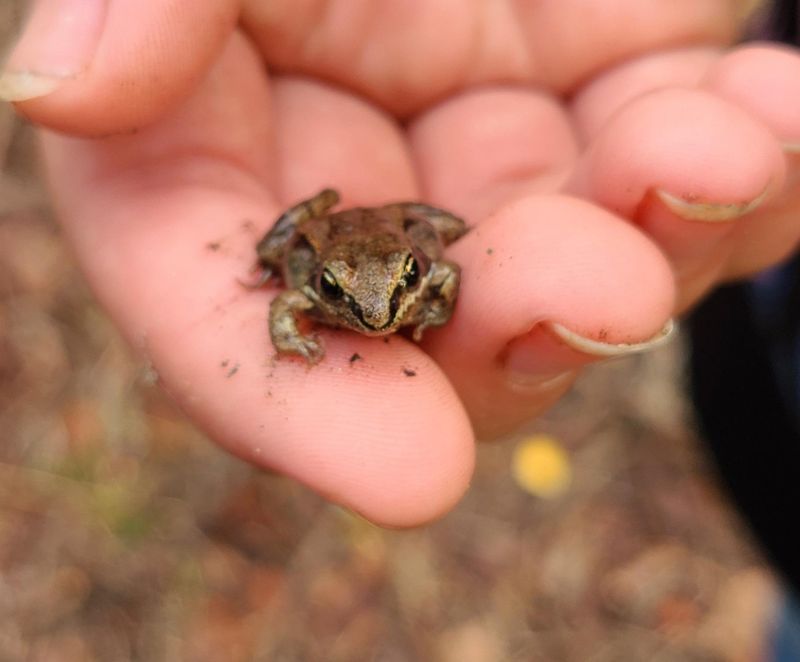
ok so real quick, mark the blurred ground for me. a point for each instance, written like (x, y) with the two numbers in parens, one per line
(125, 535)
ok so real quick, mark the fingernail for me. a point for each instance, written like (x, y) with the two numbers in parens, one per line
(791, 148)
(709, 212)
(611, 350)
(57, 44)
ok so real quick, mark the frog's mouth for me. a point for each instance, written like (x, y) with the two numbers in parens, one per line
(371, 327)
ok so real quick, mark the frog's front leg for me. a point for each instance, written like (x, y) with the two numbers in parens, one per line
(444, 278)
(273, 244)
(448, 226)
(286, 337)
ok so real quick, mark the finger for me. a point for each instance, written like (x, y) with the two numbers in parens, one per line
(162, 223)
(328, 138)
(685, 166)
(764, 80)
(100, 67)
(549, 284)
(407, 55)
(482, 148)
(604, 95)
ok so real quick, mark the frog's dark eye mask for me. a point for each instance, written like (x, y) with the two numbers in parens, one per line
(410, 274)
(409, 280)
(329, 286)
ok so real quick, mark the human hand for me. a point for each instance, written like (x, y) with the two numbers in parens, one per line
(204, 149)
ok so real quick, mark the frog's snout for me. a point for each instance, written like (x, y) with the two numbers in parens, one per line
(376, 315)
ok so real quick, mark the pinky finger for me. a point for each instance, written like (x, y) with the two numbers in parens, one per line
(764, 80)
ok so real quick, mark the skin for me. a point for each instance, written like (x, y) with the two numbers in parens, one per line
(371, 270)
(548, 133)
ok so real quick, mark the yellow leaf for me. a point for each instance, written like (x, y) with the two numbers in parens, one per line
(541, 466)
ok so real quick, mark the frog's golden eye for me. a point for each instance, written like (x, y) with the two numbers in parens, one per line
(411, 272)
(330, 288)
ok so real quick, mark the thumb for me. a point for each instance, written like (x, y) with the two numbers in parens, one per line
(98, 67)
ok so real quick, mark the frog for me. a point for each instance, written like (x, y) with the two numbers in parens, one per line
(372, 270)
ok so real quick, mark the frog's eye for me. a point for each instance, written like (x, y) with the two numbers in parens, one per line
(411, 272)
(330, 288)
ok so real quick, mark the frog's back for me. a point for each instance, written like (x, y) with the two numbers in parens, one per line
(353, 227)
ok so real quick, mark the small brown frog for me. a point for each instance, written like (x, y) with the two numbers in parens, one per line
(372, 270)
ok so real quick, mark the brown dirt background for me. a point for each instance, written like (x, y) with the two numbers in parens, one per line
(126, 535)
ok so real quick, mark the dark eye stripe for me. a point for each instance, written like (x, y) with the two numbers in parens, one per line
(394, 302)
(411, 271)
(330, 288)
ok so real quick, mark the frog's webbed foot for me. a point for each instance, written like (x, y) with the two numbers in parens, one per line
(273, 244)
(448, 226)
(286, 337)
(442, 292)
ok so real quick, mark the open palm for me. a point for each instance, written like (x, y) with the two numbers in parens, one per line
(595, 219)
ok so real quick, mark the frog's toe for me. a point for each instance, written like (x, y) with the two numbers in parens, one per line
(311, 350)
(309, 347)
(263, 278)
